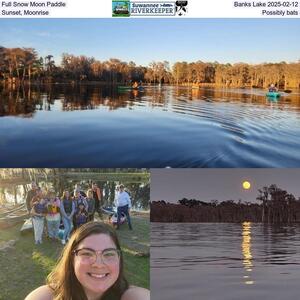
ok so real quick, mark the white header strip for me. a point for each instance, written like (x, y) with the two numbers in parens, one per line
(149, 9)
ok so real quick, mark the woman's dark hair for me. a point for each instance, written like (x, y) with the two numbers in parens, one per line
(64, 195)
(63, 281)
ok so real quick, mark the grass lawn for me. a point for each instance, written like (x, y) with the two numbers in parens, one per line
(24, 265)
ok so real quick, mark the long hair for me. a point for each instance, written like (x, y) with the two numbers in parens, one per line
(63, 281)
(64, 195)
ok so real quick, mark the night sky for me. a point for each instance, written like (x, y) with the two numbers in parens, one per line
(221, 184)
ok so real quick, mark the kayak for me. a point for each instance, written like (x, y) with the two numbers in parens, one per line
(124, 88)
(273, 94)
(114, 219)
(27, 226)
(113, 216)
(129, 88)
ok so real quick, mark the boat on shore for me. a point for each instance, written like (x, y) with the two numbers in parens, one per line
(27, 226)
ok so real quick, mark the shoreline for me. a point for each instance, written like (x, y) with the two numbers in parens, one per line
(18, 83)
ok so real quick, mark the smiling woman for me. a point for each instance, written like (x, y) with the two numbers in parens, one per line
(91, 268)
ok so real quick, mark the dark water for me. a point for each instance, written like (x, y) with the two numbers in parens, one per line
(178, 127)
(209, 261)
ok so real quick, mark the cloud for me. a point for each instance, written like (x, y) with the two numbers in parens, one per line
(50, 35)
(43, 34)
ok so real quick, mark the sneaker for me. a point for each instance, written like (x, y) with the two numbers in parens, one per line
(63, 242)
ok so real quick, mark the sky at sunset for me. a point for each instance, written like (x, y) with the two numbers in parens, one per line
(146, 40)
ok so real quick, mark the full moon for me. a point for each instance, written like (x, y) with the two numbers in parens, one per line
(246, 185)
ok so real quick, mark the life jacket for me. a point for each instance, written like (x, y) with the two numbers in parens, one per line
(39, 208)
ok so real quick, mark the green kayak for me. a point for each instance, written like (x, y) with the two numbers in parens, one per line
(130, 88)
(124, 88)
(273, 94)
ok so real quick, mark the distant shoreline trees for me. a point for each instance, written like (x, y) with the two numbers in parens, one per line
(277, 206)
(18, 65)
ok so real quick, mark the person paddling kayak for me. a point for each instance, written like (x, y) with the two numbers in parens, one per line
(272, 88)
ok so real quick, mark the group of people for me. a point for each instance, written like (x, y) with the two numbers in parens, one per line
(70, 210)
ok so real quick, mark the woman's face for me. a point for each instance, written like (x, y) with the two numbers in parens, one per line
(39, 193)
(96, 278)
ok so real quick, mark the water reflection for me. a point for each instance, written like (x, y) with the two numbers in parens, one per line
(224, 261)
(246, 250)
(25, 100)
(212, 127)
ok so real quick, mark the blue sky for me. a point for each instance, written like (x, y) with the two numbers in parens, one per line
(145, 40)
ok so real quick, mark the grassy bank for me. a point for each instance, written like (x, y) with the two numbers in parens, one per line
(24, 265)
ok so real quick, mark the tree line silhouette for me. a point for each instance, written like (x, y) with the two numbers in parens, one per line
(24, 64)
(275, 205)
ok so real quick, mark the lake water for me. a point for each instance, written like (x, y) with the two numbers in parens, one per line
(209, 261)
(171, 126)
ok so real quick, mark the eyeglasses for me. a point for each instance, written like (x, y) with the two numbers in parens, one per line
(89, 256)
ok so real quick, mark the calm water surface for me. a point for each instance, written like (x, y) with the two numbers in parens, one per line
(209, 261)
(90, 125)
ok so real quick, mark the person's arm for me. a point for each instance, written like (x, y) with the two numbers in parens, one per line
(41, 293)
(86, 206)
(73, 211)
(32, 212)
(62, 209)
(129, 201)
(136, 293)
(32, 201)
(99, 194)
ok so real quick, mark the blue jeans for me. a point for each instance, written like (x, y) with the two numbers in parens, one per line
(68, 227)
(123, 209)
